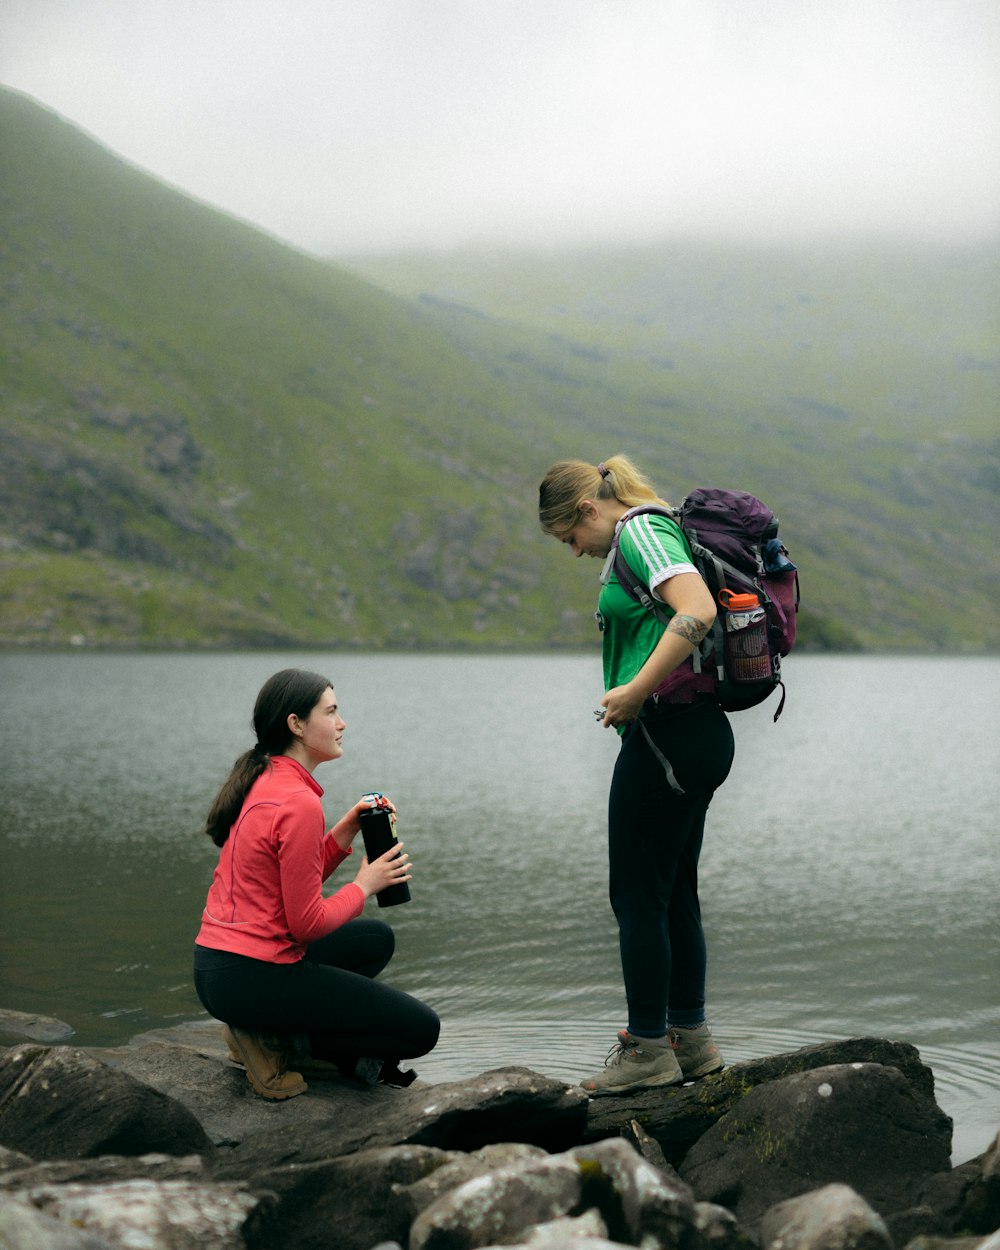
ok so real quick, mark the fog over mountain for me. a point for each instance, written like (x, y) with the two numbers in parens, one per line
(371, 125)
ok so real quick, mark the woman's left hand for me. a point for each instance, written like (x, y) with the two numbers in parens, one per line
(347, 828)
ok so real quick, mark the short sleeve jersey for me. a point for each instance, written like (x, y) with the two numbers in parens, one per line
(656, 550)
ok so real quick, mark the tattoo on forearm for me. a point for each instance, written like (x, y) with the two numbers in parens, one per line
(689, 628)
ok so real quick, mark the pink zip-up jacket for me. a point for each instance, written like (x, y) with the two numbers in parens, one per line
(265, 900)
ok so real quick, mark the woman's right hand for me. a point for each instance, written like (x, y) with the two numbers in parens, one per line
(392, 868)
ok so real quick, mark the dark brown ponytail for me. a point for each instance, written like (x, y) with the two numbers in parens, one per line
(293, 691)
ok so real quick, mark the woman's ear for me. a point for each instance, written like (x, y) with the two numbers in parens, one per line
(294, 726)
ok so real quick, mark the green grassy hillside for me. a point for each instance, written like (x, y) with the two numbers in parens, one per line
(209, 438)
(856, 387)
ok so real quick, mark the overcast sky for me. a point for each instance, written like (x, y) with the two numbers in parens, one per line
(349, 125)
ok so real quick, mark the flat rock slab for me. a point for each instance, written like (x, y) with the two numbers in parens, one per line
(504, 1105)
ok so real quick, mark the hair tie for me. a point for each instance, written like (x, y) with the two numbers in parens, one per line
(602, 470)
(257, 749)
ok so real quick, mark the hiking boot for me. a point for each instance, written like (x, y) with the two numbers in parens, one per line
(270, 1041)
(635, 1062)
(696, 1051)
(264, 1061)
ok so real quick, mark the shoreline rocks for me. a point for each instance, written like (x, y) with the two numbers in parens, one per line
(162, 1144)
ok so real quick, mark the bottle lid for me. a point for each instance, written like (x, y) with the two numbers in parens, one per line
(737, 603)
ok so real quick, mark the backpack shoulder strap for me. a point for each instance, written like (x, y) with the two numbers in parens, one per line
(630, 583)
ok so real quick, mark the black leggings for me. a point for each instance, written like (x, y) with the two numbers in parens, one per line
(331, 996)
(654, 841)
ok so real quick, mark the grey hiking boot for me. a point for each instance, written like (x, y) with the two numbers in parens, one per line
(635, 1062)
(696, 1051)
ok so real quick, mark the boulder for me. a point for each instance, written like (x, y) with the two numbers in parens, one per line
(651, 1150)
(967, 1198)
(25, 1025)
(860, 1124)
(570, 1232)
(104, 1170)
(831, 1218)
(638, 1202)
(604, 1189)
(24, 1227)
(458, 1168)
(717, 1228)
(505, 1105)
(353, 1202)
(956, 1243)
(500, 1207)
(816, 1145)
(167, 1215)
(217, 1092)
(678, 1116)
(12, 1159)
(58, 1103)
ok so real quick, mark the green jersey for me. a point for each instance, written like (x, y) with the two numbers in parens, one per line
(655, 549)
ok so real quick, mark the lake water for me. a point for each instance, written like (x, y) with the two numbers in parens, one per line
(850, 876)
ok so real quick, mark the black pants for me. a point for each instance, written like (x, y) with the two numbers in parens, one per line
(331, 996)
(654, 841)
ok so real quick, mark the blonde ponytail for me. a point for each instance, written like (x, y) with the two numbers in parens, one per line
(569, 482)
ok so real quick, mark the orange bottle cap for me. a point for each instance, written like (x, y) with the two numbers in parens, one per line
(737, 603)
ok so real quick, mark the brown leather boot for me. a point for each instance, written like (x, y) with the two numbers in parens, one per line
(264, 1063)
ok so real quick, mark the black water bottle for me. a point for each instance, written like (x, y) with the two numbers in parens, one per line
(378, 829)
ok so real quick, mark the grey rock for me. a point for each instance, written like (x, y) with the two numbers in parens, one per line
(967, 1197)
(717, 1228)
(636, 1200)
(460, 1167)
(58, 1103)
(568, 1231)
(105, 1169)
(499, 1207)
(651, 1150)
(11, 1160)
(679, 1116)
(507, 1104)
(150, 1215)
(217, 1093)
(981, 1207)
(956, 1243)
(831, 1218)
(355, 1167)
(567, 1239)
(861, 1125)
(26, 1025)
(540, 1201)
(921, 1221)
(24, 1227)
(352, 1202)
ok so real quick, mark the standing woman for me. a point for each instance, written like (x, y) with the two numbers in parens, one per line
(672, 759)
(283, 966)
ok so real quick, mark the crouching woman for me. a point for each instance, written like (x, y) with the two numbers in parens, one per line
(290, 972)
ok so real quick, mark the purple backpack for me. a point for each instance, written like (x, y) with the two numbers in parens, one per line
(734, 540)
